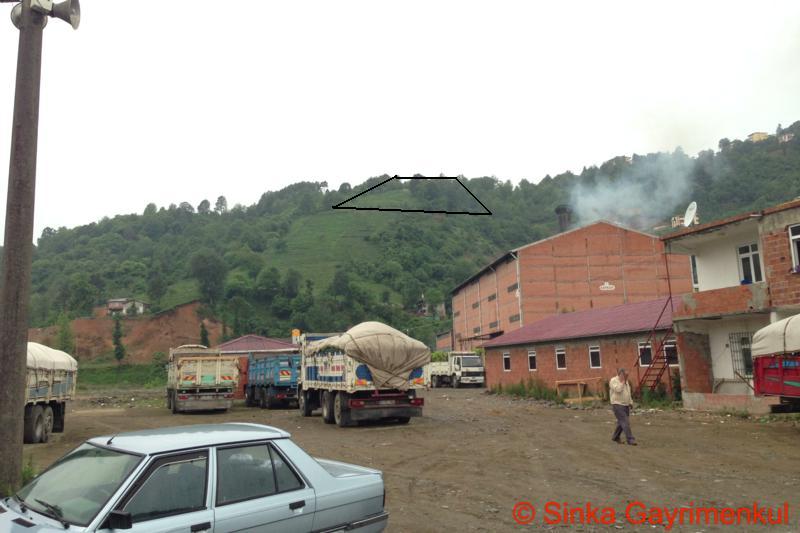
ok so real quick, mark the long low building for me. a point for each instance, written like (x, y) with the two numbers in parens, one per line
(588, 346)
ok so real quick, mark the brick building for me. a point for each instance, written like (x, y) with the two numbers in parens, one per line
(746, 270)
(595, 266)
(589, 346)
(244, 346)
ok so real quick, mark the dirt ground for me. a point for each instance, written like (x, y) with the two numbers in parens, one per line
(464, 465)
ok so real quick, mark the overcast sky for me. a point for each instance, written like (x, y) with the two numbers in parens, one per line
(179, 101)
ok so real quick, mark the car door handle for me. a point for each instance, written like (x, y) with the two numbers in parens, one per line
(297, 505)
(201, 527)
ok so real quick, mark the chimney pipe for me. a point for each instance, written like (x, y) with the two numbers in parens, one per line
(564, 213)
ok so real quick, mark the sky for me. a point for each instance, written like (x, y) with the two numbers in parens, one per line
(173, 101)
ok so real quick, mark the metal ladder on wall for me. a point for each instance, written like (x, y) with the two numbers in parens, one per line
(649, 376)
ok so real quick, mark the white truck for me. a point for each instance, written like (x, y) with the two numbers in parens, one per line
(50, 382)
(461, 368)
(371, 372)
(200, 379)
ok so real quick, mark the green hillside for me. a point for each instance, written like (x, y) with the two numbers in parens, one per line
(289, 260)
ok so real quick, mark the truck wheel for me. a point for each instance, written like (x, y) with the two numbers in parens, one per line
(174, 402)
(327, 406)
(248, 398)
(403, 419)
(60, 416)
(47, 423)
(169, 400)
(262, 398)
(341, 412)
(454, 381)
(270, 398)
(434, 382)
(34, 424)
(303, 404)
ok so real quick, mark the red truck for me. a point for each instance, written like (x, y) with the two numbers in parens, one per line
(776, 360)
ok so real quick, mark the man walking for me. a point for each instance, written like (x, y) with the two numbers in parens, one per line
(621, 403)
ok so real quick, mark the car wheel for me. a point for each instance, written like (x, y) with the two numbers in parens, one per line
(47, 423)
(403, 419)
(341, 412)
(302, 403)
(327, 406)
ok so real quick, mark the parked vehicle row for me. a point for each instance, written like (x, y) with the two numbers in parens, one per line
(200, 379)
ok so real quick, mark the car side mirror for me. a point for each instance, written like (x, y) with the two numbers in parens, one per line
(120, 520)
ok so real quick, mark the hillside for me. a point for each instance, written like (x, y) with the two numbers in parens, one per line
(289, 260)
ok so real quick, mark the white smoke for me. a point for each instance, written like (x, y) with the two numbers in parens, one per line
(649, 190)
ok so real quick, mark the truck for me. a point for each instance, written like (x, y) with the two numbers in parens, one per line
(272, 378)
(461, 368)
(50, 382)
(776, 360)
(200, 379)
(370, 372)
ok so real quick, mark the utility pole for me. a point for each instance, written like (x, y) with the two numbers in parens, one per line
(30, 16)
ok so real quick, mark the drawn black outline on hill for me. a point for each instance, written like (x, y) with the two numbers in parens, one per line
(341, 205)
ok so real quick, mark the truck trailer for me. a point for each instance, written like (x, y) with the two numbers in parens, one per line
(50, 383)
(200, 379)
(272, 378)
(776, 360)
(371, 372)
(461, 368)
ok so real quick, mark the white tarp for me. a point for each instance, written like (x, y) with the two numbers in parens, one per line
(42, 357)
(782, 336)
(389, 354)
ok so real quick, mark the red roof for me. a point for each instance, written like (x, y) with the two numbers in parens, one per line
(254, 343)
(628, 318)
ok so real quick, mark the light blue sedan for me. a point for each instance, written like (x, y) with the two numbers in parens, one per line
(221, 477)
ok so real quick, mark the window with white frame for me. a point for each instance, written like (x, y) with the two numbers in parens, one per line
(794, 241)
(645, 354)
(594, 357)
(561, 358)
(507, 362)
(531, 360)
(671, 353)
(695, 279)
(750, 263)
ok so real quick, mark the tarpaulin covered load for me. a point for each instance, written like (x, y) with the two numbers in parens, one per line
(389, 354)
(42, 357)
(779, 337)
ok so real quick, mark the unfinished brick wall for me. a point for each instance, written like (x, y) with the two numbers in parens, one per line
(696, 371)
(726, 301)
(784, 283)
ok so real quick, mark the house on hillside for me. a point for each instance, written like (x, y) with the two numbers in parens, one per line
(596, 266)
(747, 269)
(583, 349)
(251, 344)
(758, 136)
(126, 307)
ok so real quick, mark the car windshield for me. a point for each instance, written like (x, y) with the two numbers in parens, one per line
(79, 484)
(471, 361)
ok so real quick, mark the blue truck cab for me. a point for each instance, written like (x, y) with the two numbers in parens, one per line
(272, 378)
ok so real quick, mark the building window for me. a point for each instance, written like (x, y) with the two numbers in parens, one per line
(742, 353)
(750, 263)
(561, 358)
(513, 287)
(513, 318)
(492, 297)
(507, 362)
(645, 354)
(492, 325)
(695, 282)
(594, 357)
(476, 305)
(531, 360)
(794, 241)
(476, 330)
(671, 353)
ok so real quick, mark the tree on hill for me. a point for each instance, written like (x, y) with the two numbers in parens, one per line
(209, 270)
(204, 207)
(221, 206)
(204, 335)
(65, 341)
(156, 286)
(119, 348)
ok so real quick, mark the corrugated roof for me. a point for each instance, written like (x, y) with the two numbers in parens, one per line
(628, 318)
(253, 343)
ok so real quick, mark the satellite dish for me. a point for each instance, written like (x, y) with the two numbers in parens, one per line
(691, 211)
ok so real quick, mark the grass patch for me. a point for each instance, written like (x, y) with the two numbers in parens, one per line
(532, 388)
(100, 376)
